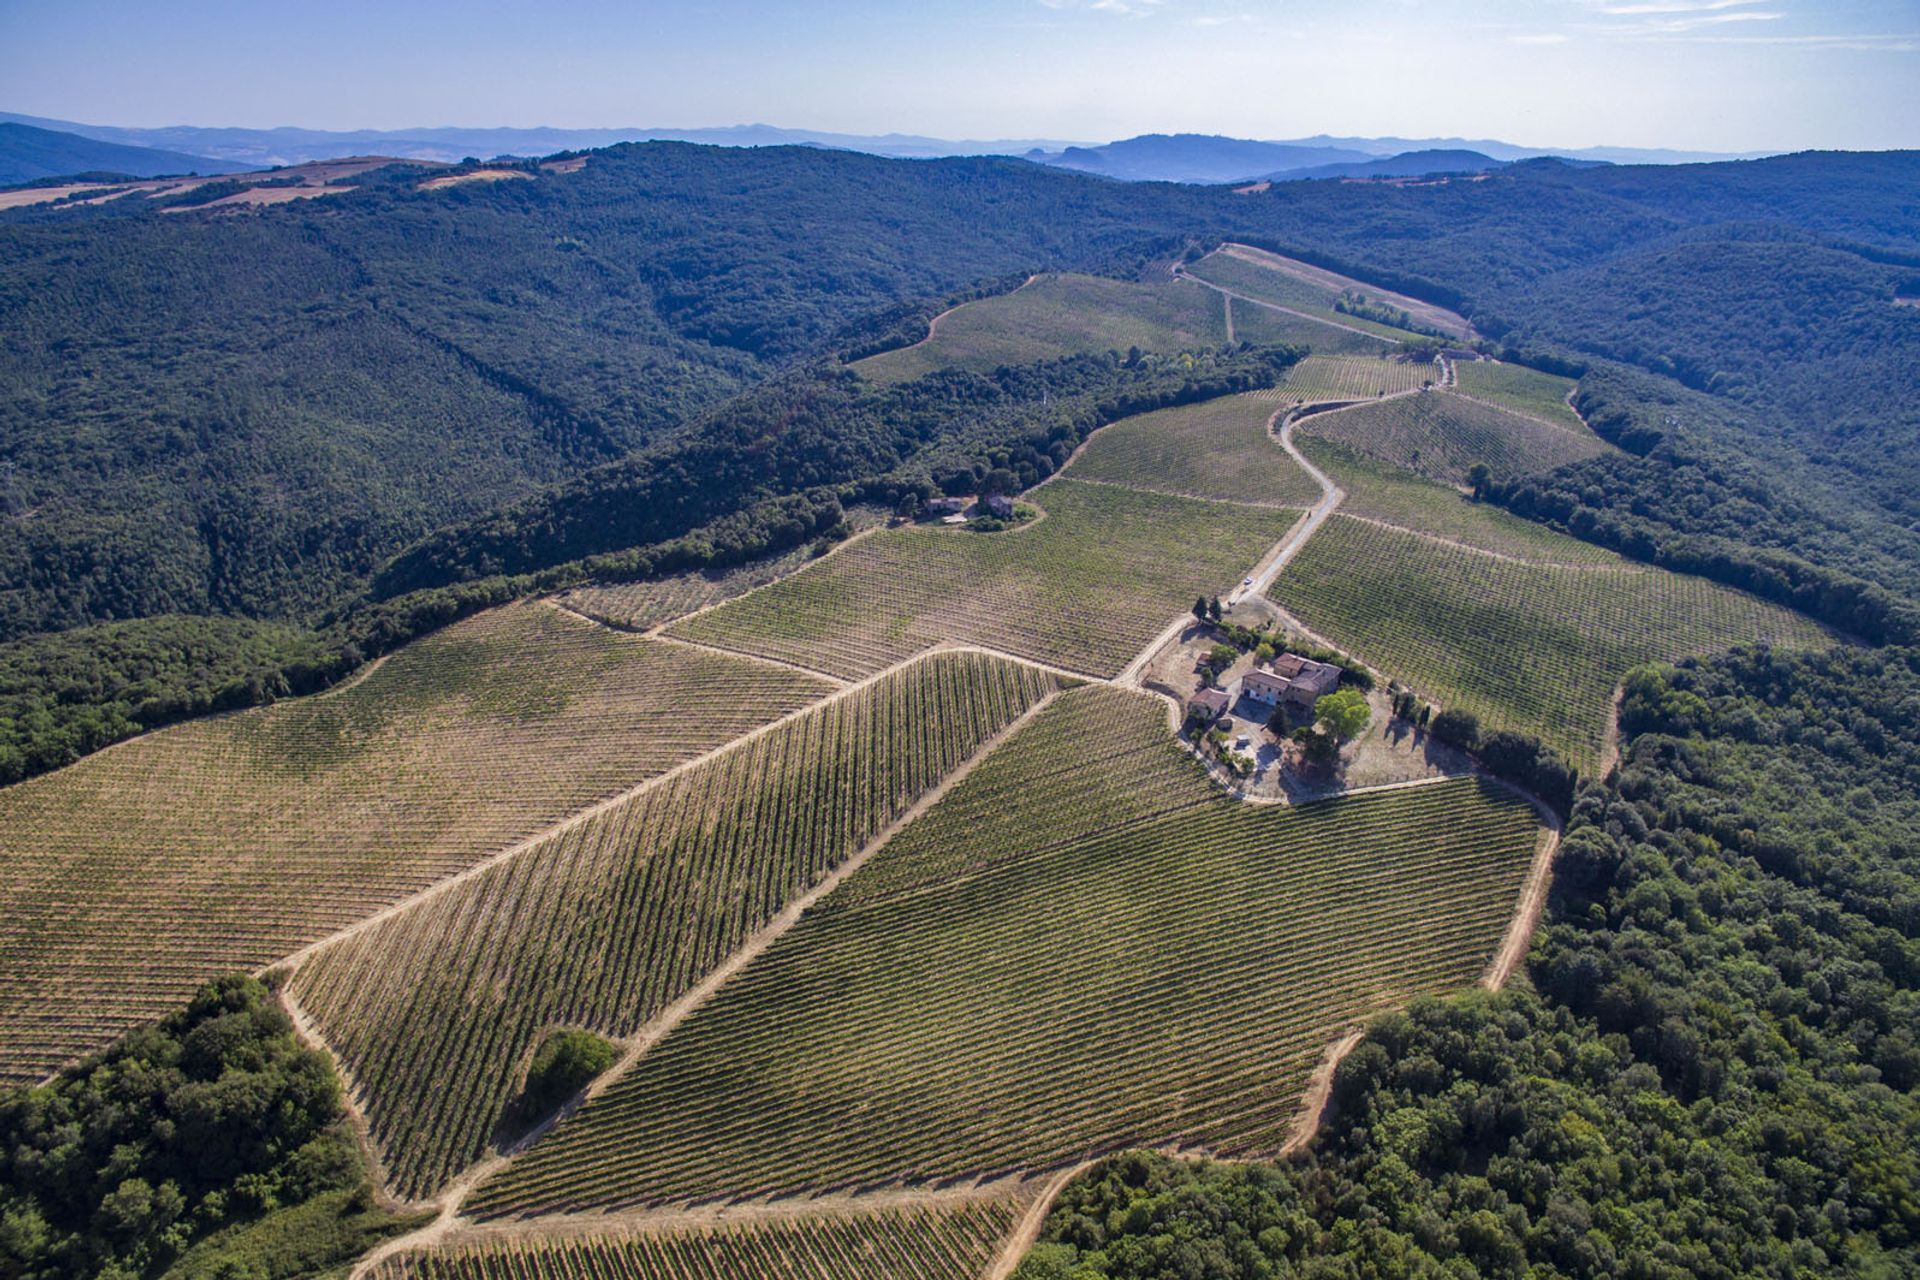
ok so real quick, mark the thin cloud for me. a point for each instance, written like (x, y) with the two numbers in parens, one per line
(1545, 37)
(1128, 8)
(1671, 6)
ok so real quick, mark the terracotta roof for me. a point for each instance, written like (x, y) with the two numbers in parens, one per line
(1212, 699)
(1265, 680)
(1288, 664)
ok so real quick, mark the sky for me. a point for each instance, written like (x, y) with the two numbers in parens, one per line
(1719, 75)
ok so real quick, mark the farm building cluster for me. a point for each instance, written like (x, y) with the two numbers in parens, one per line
(1289, 680)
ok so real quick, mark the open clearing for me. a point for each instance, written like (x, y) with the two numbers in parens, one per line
(1055, 316)
(1440, 435)
(994, 994)
(608, 922)
(1293, 283)
(1085, 588)
(476, 175)
(143, 870)
(1218, 449)
(1523, 390)
(950, 1240)
(1537, 648)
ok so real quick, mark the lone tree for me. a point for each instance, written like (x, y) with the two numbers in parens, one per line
(1343, 713)
(1213, 608)
(1479, 475)
(1200, 608)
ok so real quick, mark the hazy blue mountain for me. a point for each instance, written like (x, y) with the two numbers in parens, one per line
(28, 153)
(260, 148)
(1411, 164)
(1193, 157)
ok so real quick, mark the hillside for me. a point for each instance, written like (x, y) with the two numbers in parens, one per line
(28, 154)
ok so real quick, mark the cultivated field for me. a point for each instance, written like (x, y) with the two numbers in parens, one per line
(1523, 390)
(1216, 449)
(434, 1009)
(1352, 378)
(1377, 491)
(144, 870)
(1057, 316)
(1440, 435)
(1017, 994)
(1522, 646)
(1084, 588)
(1264, 326)
(936, 1241)
(1291, 282)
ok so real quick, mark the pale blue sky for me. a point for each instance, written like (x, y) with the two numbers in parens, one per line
(1729, 75)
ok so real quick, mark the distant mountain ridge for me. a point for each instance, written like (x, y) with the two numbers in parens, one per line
(28, 154)
(1184, 157)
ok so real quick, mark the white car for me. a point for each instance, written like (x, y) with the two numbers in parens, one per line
(1246, 582)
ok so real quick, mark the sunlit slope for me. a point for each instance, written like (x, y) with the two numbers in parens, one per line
(1526, 646)
(434, 1009)
(1084, 588)
(995, 995)
(140, 872)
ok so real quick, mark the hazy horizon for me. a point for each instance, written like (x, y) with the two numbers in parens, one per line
(1691, 75)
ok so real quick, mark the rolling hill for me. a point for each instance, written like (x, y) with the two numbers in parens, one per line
(28, 154)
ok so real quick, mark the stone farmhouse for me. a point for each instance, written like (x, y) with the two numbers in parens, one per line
(1296, 681)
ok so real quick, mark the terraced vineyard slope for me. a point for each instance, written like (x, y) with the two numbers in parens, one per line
(1523, 390)
(1523, 646)
(1376, 491)
(1313, 291)
(1084, 588)
(1011, 994)
(140, 872)
(1216, 449)
(937, 1241)
(434, 1009)
(1352, 378)
(1059, 315)
(1440, 435)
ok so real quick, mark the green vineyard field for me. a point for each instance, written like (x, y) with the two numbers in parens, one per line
(934, 1241)
(142, 871)
(1440, 435)
(1376, 491)
(1084, 588)
(1056, 316)
(1523, 390)
(613, 918)
(1216, 449)
(1353, 378)
(1523, 646)
(1016, 994)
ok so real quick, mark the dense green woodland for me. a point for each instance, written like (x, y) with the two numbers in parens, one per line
(212, 1146)
(1718, 1076)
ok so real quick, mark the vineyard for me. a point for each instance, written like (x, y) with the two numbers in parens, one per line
(140, 872)
(1440, 435)
(1522, 646)
(1249, 272)
(1353, 378)
(1084, 588)
(1523, 390)
(1056, 316)
(641, 606)
(1263, 326)
(1376, 491)
(1216, 449)
(935, 1241)
(608, 921)
(1017, 994)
